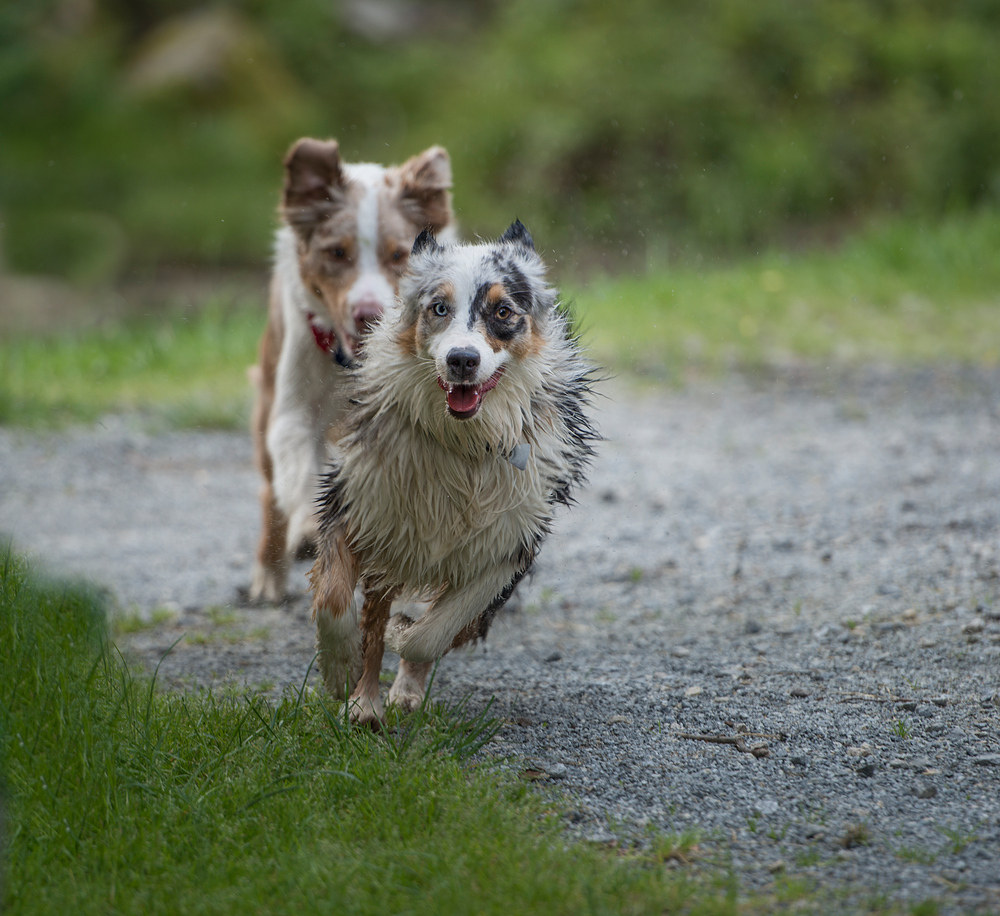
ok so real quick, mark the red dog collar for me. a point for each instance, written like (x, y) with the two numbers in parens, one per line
(329, 343)
(325, 339)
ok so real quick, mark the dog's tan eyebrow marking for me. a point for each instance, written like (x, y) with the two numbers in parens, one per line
(497, 293)
(446, 292)
(487, 298)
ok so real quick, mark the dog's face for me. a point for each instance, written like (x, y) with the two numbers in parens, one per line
(476, 311)
(355, 225)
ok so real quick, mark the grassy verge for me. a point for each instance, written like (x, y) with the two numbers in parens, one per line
(900, 292)
(187, 371)
(120, 799)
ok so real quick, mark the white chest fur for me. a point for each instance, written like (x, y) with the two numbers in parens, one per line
(433, 517)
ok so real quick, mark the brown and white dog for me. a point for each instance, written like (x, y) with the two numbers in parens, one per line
(467, 425)
(346, 239)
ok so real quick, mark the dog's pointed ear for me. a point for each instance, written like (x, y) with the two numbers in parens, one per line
(425, 182)
(517, 234)
(425, 242)
(314, 183)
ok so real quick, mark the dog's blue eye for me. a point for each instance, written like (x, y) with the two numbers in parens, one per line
(440, 309)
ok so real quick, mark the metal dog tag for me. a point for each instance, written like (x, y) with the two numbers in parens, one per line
(519, 455)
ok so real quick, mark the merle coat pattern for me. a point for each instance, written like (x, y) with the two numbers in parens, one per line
(468, 425)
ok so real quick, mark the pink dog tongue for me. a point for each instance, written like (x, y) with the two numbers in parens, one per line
(463, 398)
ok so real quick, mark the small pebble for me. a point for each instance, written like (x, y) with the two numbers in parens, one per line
(924, 791)
(766, 807)
(692, 691)
(680, 652)
(799, 692)
(925, 712)
(973, 626)
(867, 769)
(987, 760)
(556, 771)
(909, 705)
(553, 656)
(939, 701)
(925, 642)
(800, 760)
(775, 867)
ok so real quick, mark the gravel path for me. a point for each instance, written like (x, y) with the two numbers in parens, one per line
(806, 567)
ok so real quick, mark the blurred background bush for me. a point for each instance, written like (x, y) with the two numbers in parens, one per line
(144, 135)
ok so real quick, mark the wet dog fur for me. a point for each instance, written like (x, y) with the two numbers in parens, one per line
(345, 241)
(467, 427)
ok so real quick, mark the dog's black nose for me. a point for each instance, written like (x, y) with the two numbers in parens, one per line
(462, 363)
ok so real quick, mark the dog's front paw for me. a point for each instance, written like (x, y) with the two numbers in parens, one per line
(336, 675)
(395, 632)
(407, 691)
(267, 585)
(365, 710)
(338, 644)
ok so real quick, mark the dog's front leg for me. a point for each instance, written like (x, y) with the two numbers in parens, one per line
(407, 691)
(297, 443)
(457, 609)
(333, 578)
(270, 569)
(366, 702)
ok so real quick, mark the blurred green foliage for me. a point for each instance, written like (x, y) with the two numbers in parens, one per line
(138, 132)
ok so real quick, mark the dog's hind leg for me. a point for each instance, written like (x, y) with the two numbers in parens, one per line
(407, 691)
(338, 636)
(366, 702)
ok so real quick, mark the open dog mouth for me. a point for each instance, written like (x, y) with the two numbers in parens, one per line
(464, 401)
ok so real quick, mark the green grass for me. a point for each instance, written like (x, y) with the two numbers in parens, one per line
(899, 292)
(188, 371)
(123, 799)
(901, 728)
